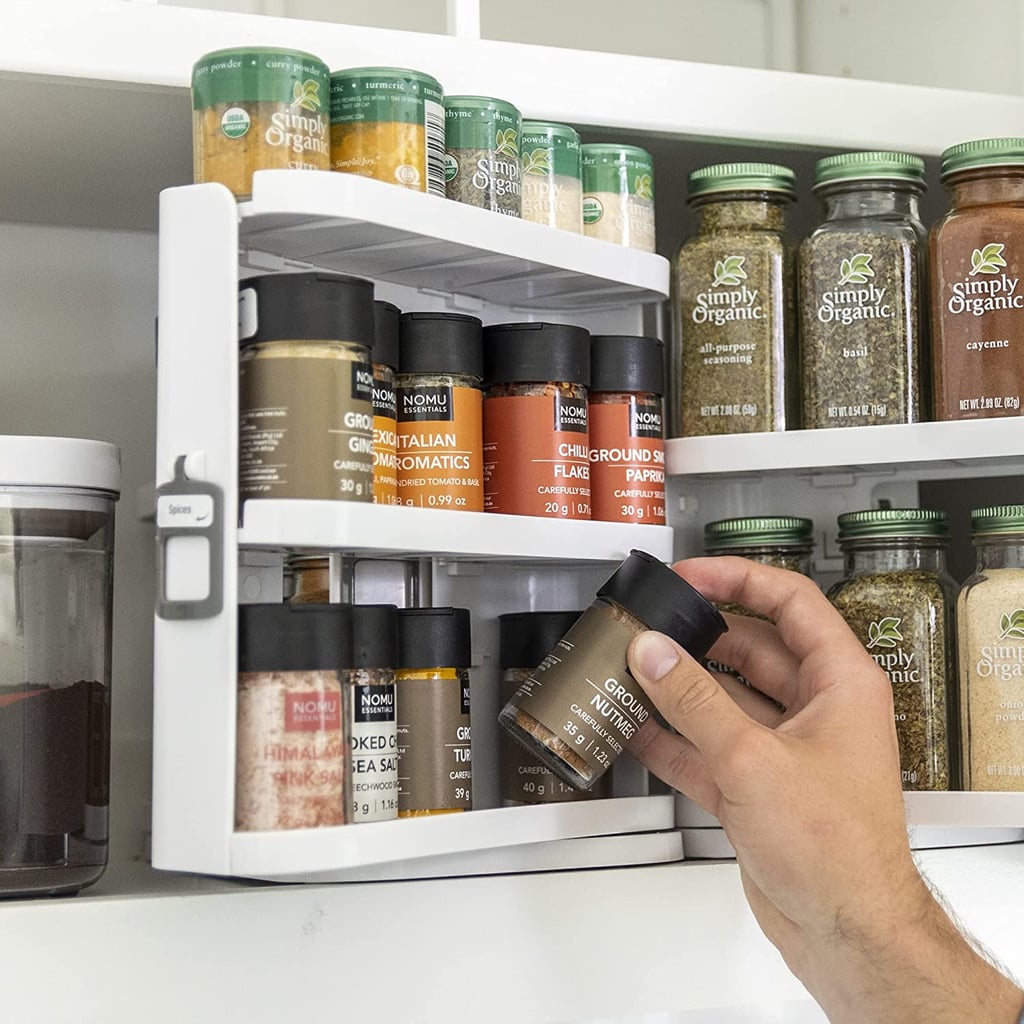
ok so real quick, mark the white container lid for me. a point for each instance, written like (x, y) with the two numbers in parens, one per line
(63, 462)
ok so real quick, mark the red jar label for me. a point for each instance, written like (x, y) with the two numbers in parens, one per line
(627, 462)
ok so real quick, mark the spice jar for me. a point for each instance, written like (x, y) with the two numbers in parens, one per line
(291, 748)
(552, 176)
(255, 109)
(576, 726)
(306, 387)
(440, 438)
(785, 542)
(482, 144)
(730, 368)
(388, 124)
(618, 195)
(862, 351)
(524, 640)
(385, 409)
(627, 450)
(899, 600)
(435, 757)
(990, 627)
(977, 307)
(536, 448)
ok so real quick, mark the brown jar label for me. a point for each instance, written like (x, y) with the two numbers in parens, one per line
(536, 456)
(305, 428)
(373, 737)
(435, 761)
(440, 458)
(627, 462)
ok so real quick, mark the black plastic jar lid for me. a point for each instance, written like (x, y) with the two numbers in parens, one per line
(294, 637)
(623, 362)
(385, 333)
(374, 635)
(663, 600)
(536, 352)
(434, 638)
(526, 638)
(313, 306)
(440, 343)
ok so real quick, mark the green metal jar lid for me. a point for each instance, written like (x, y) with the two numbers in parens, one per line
(998, 519)
(869, 166)
(741, 178)
(481, 103)
(257, 51)
(614, 152)
(549, 129)
(967, 156)
(893, 522)
(407, 74)
(758, 530)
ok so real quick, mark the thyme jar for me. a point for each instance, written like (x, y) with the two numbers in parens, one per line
(990, 620)
(482, 143)
(900, 602)
(860, 280)
(731, 367)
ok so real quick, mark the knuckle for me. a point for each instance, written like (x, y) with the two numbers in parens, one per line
(692, 690)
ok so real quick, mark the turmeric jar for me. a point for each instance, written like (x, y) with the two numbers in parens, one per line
(257, 109)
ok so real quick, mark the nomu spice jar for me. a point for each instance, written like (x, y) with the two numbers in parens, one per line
(618, 195)
(256, 109)
(552, 175)
(481, 164)
(385, 410)
(305, 402)
(577, 726)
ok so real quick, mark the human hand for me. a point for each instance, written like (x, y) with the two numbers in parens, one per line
(811, 801)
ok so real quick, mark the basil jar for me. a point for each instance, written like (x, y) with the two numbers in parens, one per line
(900, 601)
(732, 305)
(860, 281)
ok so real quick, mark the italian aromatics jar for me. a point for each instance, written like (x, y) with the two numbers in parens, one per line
(56, 589)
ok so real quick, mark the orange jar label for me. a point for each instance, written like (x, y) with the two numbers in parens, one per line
(537, 456)
(627, 462)
(385, 431)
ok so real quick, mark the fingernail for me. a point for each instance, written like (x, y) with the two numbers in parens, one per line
(654, 656)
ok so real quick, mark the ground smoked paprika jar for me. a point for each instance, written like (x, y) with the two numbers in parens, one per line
(581, 707)
(536, 436)
(385, 415)
(440, 438)
(976, 257)
(627, 450)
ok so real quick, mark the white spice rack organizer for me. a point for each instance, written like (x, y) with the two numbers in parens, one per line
(409, 241)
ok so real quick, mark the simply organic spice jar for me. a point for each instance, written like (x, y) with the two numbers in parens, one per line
(900, 602)
(860, 284)
(305, 393)
(785, 542)
(385, 408)
(976, 254)
(618, 195)
(482, 153)
(440, 435)
(536, 436)
(578, 727)
(990, 624)
(731, 363)
(552, 178)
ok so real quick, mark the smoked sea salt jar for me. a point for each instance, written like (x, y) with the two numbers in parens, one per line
(577, 726)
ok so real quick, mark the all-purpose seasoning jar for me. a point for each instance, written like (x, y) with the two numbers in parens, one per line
(440, 438)
(306, 387)
(388, 124)
(385, 409)
(990, 625)
(536, 447)
(577, 726)
(618, 195)
(976, 252)
(256, 109)
(552, 176)
(291, 748)
(435, 759)
(899, 600)
(731, 366)
(524, 640)
(482, 144)
(861, 276)
(627, 450)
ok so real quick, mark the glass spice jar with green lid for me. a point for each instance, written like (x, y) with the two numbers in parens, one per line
(731, 365)
(899, 600)
(783, 541)
(860, 281)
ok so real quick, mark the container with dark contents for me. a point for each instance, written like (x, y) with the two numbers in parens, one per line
(627, 450)
(435, 757)
(581, 707)
(385, 415)
(56, 580)
(291, 747)
(440, 437)
(482, 144)
(536, 435)
(524, 640)
(305, 402)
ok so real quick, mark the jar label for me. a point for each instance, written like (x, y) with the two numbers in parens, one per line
(546, 155)
(373, 737)
(627, 175)
(385, 441)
